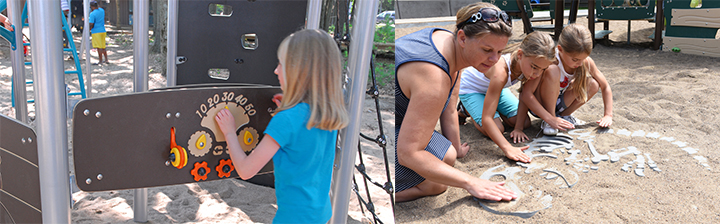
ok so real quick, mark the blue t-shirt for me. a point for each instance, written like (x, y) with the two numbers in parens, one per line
(303, 167)
(97, 17)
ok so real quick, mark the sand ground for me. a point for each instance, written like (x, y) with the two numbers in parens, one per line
(660, 93)
(223, 201)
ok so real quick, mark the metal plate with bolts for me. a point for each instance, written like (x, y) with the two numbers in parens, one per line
(124, 142)
(19, 173)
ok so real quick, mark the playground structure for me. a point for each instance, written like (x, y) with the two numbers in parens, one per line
(68, 46)
(605, 10)
(51, 140)
(692, 30)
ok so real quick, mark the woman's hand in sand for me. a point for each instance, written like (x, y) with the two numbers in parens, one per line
(485, 189)
(226, 121)
(517, 154)
(605, 122)
(518, 136)
(277, 98)
(462, 152)
(560, 124)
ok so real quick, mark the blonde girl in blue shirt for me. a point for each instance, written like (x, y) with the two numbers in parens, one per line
(301, 137)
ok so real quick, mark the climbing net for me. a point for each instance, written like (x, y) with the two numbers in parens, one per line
(380, 140)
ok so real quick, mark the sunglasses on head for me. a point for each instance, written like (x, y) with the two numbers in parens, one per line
(489, 15)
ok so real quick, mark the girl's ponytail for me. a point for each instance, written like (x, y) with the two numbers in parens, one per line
(580, 83)
(577, 39)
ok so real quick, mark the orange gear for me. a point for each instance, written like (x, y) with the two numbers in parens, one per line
(178, 155)
(200, 171)
(223, 164)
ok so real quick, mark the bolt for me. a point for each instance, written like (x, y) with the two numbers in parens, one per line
(86, 112)
(98, 114)
(23, 140)
(168, 115)
(29, 140)
(167, 163)
(99, 176)
(88, 181)
(177, 115)
(201, 171)
(226, 169)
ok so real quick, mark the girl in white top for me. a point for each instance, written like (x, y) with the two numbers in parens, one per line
(567, 85)
(485, 94)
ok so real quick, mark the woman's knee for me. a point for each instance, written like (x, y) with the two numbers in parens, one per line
(450, 156)
(435, 189)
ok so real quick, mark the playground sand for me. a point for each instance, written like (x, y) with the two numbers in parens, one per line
(223, 201)
(673, 94)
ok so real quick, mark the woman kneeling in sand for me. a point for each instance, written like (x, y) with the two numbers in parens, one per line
(428, 64)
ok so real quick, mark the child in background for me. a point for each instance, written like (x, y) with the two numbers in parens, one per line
(301, 137)
(97, 30)
(484, 95)
(568, 84)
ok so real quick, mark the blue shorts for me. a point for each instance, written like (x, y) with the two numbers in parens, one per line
(473, 102)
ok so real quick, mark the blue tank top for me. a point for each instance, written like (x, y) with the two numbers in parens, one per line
(417, 46)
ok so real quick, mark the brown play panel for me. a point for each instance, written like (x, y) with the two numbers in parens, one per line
(19, 173)
(166, 137)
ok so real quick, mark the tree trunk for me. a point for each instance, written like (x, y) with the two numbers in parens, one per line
(160, 8)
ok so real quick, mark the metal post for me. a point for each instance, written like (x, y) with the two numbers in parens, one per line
(86, 46)
(314, 9)
(172, 27)
(49, 77)
(141, 9)
(17, 58)
(359, 63)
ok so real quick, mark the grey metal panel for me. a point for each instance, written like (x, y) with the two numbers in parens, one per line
(456, 5)
(423, 8)
(215, 42)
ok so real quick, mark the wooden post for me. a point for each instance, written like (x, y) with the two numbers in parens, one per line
(659, 24)
(559, 18)
(527, 26)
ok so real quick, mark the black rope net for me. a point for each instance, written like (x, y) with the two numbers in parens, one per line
(366, 202)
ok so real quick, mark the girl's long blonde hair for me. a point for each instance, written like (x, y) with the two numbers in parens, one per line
(312, 72)
(577, 39)
(535, 44)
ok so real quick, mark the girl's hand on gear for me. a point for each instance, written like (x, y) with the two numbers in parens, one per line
(277, 98)
(517, 154)
(226, 121)
(605, 122)
(561, 124)
(485, 189)
(518, 136)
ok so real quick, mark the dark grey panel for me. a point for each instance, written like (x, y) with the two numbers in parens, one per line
(215, 42)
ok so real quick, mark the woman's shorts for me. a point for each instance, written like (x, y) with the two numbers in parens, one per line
(406, 178)
(473, 102)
